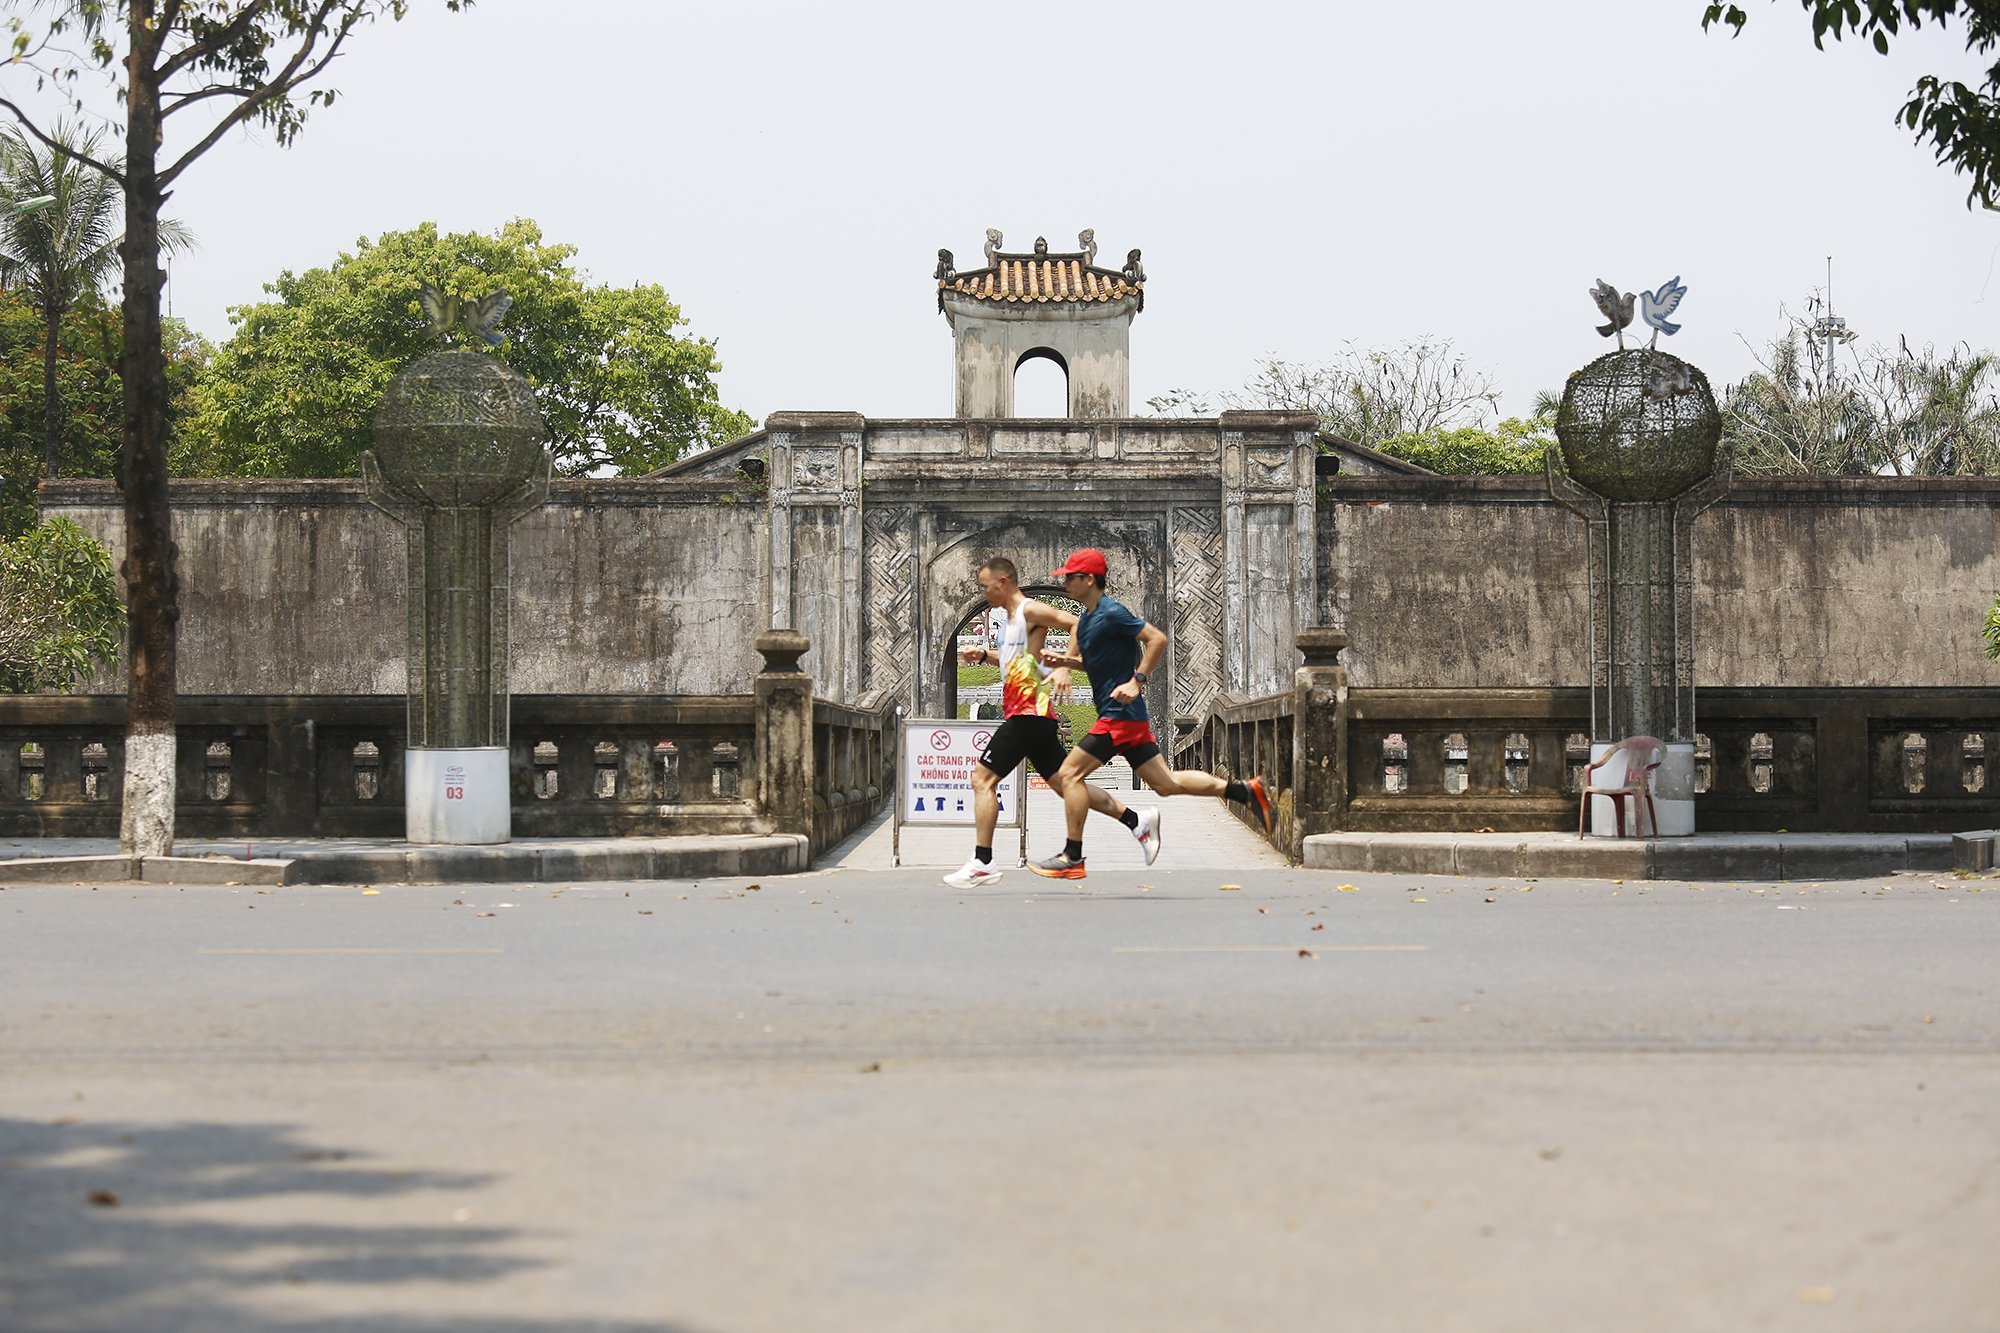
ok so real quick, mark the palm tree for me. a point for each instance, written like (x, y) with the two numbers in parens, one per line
(61, 250)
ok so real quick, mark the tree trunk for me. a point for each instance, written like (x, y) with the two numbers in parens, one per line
(152, 586)
(51, 404)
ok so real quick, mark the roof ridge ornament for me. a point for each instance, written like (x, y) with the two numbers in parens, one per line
(1086, 241)
(993, 241)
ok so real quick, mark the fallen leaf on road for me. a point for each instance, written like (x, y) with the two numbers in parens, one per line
(1305, 953)
(103, 1198)
(1320, 926)
(872, 1067)
(370, 892)
(645, 911)
(1815, 1295)
(482, 914)
(1489, 900)
(1231, 888)
(1348, 888)
(1929, 1018)
(1263, 911)
(1419, 900)
(752, 888)
(64, 1120)
(1550, 1154)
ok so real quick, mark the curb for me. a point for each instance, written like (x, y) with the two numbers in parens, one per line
(664, 858)
(1713, 856)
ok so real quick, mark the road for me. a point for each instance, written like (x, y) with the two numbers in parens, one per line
(858, 1100)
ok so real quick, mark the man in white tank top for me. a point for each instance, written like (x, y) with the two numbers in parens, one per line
(1028, 728)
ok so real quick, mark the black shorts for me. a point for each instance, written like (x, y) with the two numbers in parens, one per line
(1025, 737)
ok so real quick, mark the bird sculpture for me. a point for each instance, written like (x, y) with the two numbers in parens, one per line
(1616, 307)
(482, 317)
(1655, 306)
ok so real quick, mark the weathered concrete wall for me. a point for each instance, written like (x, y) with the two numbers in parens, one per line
(296, 587)
(661, 586)
(1463, 582)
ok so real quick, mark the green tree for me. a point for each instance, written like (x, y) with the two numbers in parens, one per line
(89, 348)
(59, 607)
(1961, 122)
(293, 392)
(62, 252)
(212, 66)
(1513, 446)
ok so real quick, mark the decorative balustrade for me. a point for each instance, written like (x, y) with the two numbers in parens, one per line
(1512, 760)
(854, 766)
(333, 766)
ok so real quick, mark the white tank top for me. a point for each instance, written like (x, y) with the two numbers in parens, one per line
(1023, 691)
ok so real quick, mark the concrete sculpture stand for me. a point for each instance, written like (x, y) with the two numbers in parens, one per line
(458, 457)
(1637, 457)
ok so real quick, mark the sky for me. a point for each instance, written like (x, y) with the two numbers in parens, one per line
(1300, 177)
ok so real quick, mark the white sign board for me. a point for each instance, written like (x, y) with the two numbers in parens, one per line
(936, 768)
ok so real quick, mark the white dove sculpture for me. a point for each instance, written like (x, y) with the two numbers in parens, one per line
(1654, 307)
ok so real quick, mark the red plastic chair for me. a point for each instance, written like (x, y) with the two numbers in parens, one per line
(1642, 755)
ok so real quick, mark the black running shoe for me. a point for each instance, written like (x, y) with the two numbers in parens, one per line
(1260, 801)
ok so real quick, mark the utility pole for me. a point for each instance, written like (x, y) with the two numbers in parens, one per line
(1834, 329)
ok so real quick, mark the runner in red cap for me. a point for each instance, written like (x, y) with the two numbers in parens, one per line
(1028, 730)
(1121, 651)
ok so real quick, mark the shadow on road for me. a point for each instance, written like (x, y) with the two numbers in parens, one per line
(126, 1226)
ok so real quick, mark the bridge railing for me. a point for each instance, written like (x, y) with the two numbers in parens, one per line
(1511, 760)
(773, 761)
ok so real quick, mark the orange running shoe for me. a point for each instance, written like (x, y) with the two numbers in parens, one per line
(1260, 801)
(1058, 866)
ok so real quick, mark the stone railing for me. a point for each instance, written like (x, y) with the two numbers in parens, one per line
(580, 765)
(854, 766)
(1766, 759)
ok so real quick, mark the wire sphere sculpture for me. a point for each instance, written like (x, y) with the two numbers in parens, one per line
(1638, 425)
(458, 429)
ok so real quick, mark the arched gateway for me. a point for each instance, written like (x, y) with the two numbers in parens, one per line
(877, 527)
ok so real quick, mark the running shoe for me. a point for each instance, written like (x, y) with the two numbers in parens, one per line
(1148, 834)
(971, 875)
(1260, 801)
(1058, 866)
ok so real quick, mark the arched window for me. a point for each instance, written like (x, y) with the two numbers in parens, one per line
(1041, 384)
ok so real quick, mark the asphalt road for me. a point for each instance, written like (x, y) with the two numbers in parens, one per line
(857, 1100)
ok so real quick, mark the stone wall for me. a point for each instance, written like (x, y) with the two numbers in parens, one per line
(1480, 582)
(660, 586)
(296, 587)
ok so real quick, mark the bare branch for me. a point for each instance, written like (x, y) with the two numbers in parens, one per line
(287, 79)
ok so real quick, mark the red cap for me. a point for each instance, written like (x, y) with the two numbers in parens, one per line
(1089, 560)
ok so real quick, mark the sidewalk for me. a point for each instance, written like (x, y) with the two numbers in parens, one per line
(1723, 856)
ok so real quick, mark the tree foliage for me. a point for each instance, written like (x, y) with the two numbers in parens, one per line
(1961, 122)
(1511, 447)
(293, 392)
(89, 347)
(1418, 400)
(59, 607)
(1889, 411)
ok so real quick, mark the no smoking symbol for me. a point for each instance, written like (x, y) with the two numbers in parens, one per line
(940, 740)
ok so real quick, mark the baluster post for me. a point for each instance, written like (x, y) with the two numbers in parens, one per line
(785, 732)
(1319, 736)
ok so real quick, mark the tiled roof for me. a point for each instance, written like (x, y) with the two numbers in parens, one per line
(1042, 278)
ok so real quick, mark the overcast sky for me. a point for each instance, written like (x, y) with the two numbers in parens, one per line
(1298, 176)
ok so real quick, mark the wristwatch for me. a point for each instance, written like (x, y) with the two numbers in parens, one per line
(1141, 677)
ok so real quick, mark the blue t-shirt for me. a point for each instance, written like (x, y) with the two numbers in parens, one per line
(1108, 642)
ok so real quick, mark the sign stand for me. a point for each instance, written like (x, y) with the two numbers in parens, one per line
(934, 760)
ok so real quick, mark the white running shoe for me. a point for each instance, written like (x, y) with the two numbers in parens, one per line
(1148, 834)
(971, 875)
